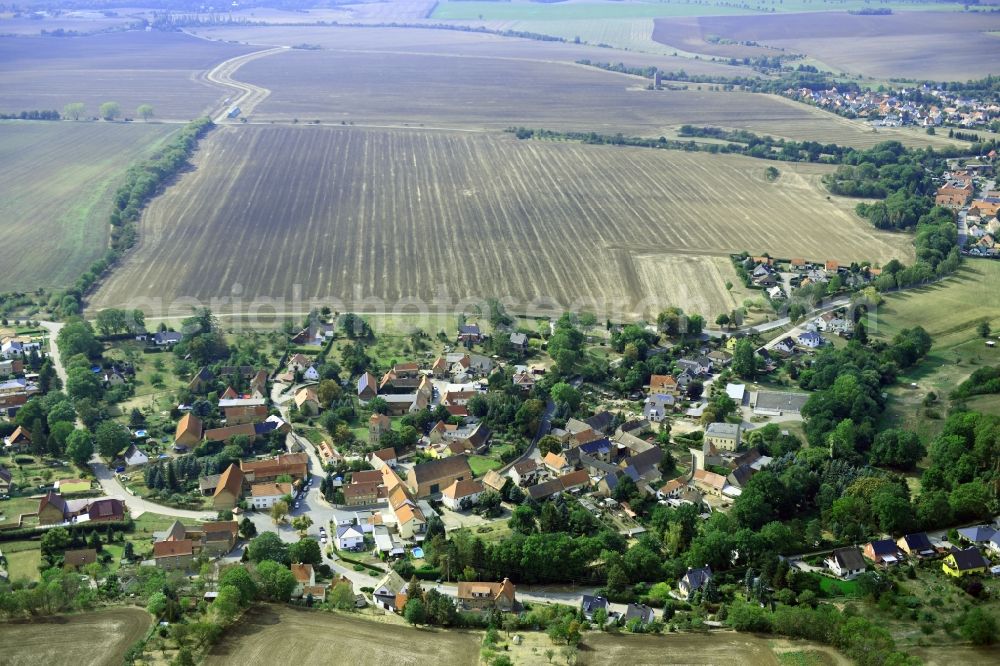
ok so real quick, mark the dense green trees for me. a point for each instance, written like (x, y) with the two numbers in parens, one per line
(111, 438)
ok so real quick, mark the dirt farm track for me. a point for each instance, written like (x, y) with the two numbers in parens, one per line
(360, 217)
(100, 638)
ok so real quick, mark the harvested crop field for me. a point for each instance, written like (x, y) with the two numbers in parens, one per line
(56, 195)
(131, 68)
(919, 45)
(388, 87)
(451, 42)
(267, 633)
(100, 638)
(354, 215)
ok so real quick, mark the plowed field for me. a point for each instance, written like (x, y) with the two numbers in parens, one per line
(371, 218)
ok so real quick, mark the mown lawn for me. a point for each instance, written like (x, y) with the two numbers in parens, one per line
(838, 588)
(481, 464)
(23, 558)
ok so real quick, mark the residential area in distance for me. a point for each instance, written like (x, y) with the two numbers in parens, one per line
(498, 333)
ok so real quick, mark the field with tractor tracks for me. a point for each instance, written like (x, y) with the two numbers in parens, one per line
(371, 218)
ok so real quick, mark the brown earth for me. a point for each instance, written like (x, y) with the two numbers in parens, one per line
(919, 45)
(275, 634)
(100, 638)
(131, 68)
(372, 218)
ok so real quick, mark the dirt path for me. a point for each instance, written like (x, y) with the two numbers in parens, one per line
(246, 95)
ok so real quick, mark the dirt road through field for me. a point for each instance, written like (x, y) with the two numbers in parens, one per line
(247, 96)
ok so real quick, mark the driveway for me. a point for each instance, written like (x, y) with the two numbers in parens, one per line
(112, 487)
(53, 328)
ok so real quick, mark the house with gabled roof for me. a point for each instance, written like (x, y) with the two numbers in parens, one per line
(135, 457)
(174, 555)
(189, 431)
(470, 334)
(524, 472)
(917, 545)
(230, 489)
(386, 590)
(664, 384)
(478, 596)
(694, 580)
(432, 477)
(846, 563)
(18, 440)
(458, 492)
(556, 463)
(977, 534)
(959, 563)
(367, 387)
(883, 552)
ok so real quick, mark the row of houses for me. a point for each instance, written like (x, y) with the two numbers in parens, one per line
(892, 109)
(259, 477)
(957, 562)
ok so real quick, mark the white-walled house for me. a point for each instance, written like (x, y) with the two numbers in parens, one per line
(264, 495)
(350, 537)
(134, 457)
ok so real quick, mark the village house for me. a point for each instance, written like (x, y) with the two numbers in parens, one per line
(264, 495)
(432, 477)
(959, 563)
(135, 457)
(664, 384)
(658, 406)
(883, 551)
(19, 440)
(917, 545)
(494, 480)
(173, 555)
(954, 194)
(519, 341)
(556, 463)
(524, 473)
(386, 590)
(846, 563)
(694, 580)
(591, 604)
(304, 577)
(709, 482)
(189, 431)
(367, 387)
(470, 334)
(723, 436)
(460, 492)
(977, 535)
(54, 509)
(307, 401)
(477, 596)
(382, 458)
(641, 612)
(350, 537)
(229, 489)
(294, 465)
(361, 493)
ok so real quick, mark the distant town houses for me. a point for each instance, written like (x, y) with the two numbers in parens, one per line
(893, 109)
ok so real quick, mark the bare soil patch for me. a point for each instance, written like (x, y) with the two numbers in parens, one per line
(372, 218)
(131, 68)
(100, 638)
(266, 634)
(920, 45)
